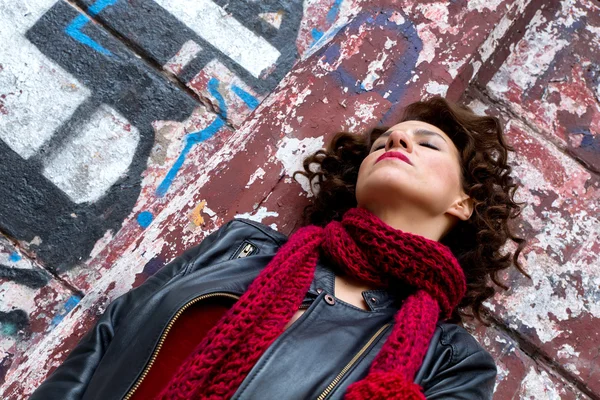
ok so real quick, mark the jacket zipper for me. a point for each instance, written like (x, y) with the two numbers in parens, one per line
(164, 335)
(353, 361)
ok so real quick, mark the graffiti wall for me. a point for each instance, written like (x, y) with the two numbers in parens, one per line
(129, 130)
(96, 97)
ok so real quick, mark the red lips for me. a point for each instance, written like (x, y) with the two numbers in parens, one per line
(395, 154)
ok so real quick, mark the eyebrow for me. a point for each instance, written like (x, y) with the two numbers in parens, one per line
(418, 132)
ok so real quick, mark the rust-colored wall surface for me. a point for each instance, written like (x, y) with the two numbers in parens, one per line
(130, 130)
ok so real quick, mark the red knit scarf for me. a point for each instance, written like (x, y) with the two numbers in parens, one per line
(363, 246)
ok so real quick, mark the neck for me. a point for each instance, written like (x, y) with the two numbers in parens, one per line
(413, 221)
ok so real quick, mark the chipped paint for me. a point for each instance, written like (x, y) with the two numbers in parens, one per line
(430, 43)
(364, 113)
(455, 65)
(397, 18)
(500, 30)
(292, 151)
(554, 85)
(258, 174)
(478, 107)
(245, 47)
(347, 75)
(567, 350)
(273, 18)
(239, 98)
(31, 303)
(259, 215)
(315, 16)
(195, 215)
(436, 13)
(539, 306)
(563, 228)
(372, 75)
(572, 11)
(539, 385)
(436, 88)
(481, 5)
(543, 46)
(187, 53)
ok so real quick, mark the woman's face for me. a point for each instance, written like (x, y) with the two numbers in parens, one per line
(427, 181)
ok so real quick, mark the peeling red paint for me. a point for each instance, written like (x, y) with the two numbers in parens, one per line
(562, 215)
(520, 376)
(551, 77)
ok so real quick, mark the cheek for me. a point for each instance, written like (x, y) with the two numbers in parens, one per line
(364, 172)
(446, 173)
(365, 166)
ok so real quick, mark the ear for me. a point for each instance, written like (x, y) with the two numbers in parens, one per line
(462, 208)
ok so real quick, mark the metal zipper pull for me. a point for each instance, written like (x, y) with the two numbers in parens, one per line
(247, 250)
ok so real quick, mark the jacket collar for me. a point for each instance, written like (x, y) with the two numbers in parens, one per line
(324, 280)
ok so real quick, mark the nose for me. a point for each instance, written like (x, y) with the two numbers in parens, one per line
(399, 139)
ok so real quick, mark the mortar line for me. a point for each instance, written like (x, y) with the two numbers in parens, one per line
(537, 354)
(594, 364)
(281, 177)
(31, 257)
(147, 59)
(505, 108)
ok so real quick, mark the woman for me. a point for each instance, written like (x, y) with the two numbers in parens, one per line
(402, 241)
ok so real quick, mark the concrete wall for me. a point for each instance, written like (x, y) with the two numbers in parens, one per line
(131, 130)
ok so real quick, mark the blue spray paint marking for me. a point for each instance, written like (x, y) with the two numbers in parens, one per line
(316, 35)
(74, 28)
(250, 100)
(334, 11)
(14, 256)
(332, 53)
(589, 141)
(8, 329)
(69, 305)
(394, 88)
(145, 219)
(72, 302)
(196, 137)
(332, 15)
(324, 37)
(101, 5)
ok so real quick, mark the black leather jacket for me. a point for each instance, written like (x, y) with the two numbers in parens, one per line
(328, 348)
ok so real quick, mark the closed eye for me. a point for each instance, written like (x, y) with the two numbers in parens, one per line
(424, 144)
(427, 144)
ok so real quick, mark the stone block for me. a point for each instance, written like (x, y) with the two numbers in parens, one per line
(551, 77)
(32, 303)
(557, 311)
(521, 375)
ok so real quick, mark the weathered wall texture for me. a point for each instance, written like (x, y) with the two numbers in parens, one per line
(129, 130)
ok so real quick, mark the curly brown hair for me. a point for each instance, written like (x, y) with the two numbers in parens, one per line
(486, 178)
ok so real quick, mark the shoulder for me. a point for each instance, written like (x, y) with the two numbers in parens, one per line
(461, 343)
(235, 239)
(241, 237)
(257, 228)
(456, 364)
(249, 229)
